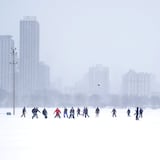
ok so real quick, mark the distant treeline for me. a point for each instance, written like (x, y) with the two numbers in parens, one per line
(55, 98)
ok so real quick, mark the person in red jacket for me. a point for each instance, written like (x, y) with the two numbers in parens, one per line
(57, 112)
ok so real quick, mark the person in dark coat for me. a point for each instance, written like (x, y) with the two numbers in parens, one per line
(97, 111)
(24, 112)
(137, 113)
(72, 113)
(85, 112)
(128, 112)
(140, 112)
(78, 112)
(114, 112)
(65, 113)
(35, 112)
(45, 113)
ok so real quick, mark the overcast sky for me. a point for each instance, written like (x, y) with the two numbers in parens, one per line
(77, 34)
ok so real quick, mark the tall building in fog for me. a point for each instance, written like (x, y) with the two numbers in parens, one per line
(95, 82)
(44, 76)
(6, 44)
(98, 80)
(136, 84)
(29, 55)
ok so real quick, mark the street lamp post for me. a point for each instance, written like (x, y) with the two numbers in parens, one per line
(13, 53)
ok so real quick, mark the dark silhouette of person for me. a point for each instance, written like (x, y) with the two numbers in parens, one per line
(72, 113)
(45, 113)
(24, 112)
(140, 112)
(114, 112)
(137, 113)
(85, 112)
(65, 113)
(35, 112)
(78, 111)
(128, 112)
(57, 112)
(97, 111)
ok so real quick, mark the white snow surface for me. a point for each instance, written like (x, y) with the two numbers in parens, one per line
(99, 138)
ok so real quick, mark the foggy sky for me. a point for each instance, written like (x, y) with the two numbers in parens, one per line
(77, 34)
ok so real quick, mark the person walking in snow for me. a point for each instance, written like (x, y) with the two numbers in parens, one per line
(140, 112)
(65, 113)
(72, 113)
(137, 113)
(97, 111)
(114, 112)
(57, 112)
(128, 112)
(35, 112)
(45, 113)
(85, 112)
(78, 111)
(24, 112)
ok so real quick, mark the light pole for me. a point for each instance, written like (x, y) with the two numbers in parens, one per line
(13, 53)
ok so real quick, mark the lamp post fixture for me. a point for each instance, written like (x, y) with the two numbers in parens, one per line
(13, 53)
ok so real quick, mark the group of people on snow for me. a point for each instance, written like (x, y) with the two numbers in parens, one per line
(35, 111)
(138, 113)
(71, 114)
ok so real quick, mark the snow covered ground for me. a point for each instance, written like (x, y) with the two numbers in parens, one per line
(99, 138)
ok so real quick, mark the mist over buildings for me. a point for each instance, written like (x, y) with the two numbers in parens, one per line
(80, 52)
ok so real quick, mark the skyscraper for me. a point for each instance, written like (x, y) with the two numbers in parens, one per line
(6, 44)
(44, 76)
(29, 55)
(98, 80)
(136, 84)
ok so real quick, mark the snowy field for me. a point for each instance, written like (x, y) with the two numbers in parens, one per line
(94, 138)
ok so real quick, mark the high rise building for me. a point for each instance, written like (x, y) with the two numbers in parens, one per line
(44, 76)
(6, 45)
(29, 55)
(136, 84)
(98, 80)
(95, 82)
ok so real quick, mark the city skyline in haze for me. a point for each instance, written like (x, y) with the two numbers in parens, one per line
(76, 35)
